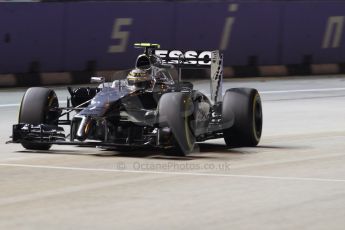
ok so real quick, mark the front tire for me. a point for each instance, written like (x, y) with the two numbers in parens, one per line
(35, 109)
(242, 117)
(175, 111)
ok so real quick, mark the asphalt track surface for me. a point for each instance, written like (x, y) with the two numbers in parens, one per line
(295, 179)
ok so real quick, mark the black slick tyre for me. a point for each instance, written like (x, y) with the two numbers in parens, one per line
(34, 109)
(242, 117)
(175, 112)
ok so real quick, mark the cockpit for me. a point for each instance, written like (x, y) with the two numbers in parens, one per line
(149, 73)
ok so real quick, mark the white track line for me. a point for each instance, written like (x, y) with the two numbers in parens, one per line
(173, 173)
(8, 105)
(302, 90)
(262, 92)
(15, 105)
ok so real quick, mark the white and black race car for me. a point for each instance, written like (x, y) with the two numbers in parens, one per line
(147, 108)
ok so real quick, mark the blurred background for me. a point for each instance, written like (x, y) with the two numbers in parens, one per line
(89, 36)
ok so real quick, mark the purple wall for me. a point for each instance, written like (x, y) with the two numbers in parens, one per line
(71, 36)
(30, 32)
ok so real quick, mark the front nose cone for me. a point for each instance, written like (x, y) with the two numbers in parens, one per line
(84, 128)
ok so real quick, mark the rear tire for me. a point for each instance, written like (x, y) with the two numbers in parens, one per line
(34, 109)
(175, 110)
(242, 117)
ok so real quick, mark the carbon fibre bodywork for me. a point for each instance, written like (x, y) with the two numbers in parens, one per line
(120, 114)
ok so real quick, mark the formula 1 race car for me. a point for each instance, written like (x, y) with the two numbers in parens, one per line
(147, 108)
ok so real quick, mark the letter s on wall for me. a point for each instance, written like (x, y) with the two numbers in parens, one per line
(123, 36)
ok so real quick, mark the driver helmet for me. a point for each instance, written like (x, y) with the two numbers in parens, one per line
(140, 78)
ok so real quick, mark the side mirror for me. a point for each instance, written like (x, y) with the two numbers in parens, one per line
(97, 80)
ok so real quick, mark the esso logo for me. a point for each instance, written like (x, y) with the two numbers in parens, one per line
(190, 57)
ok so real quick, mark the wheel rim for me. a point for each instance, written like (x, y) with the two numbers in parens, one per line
(50, 118)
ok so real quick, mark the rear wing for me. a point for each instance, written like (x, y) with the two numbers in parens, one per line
(212, 60)
(188, 59)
